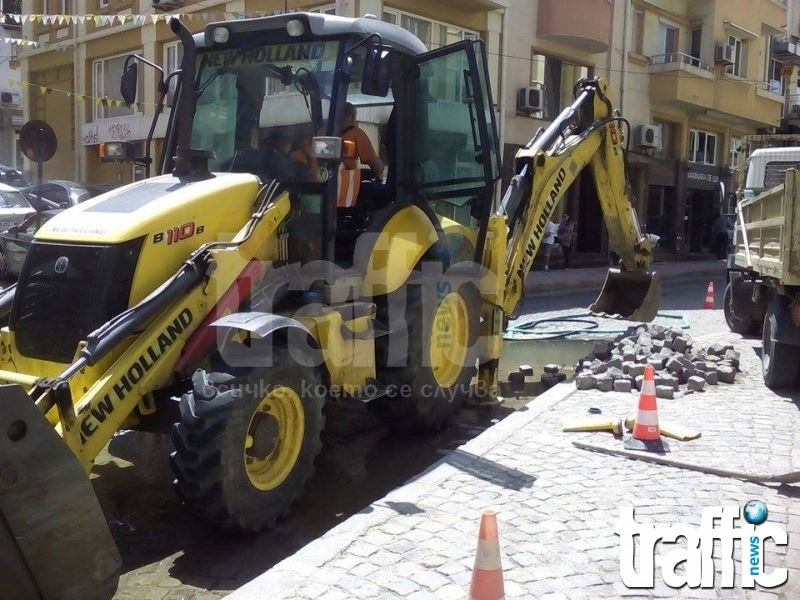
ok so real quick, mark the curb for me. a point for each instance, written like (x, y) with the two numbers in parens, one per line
(593, 280)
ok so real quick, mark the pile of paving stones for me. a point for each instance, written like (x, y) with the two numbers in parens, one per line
(619, 365)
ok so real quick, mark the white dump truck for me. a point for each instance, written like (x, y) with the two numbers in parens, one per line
(763, 290)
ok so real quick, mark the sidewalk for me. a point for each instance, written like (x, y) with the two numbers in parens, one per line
(559, 506)
(539, 282)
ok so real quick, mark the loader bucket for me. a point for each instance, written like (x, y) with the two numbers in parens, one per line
(54, 540)
(630, 294)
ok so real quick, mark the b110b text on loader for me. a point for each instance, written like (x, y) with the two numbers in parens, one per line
(229, 298)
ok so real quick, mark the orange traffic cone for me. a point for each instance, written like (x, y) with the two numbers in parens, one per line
(709, 302)
(487, 576)
(646, 434)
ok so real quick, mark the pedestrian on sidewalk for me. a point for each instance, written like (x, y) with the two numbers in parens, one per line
(550, 231)
(565, 234)
(720, 227)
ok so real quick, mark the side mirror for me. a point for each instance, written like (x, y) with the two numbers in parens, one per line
(377, 71)
(129, 82)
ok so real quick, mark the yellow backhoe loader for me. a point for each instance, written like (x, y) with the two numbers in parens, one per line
(229, 297)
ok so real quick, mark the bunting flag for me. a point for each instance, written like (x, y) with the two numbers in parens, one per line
(61, 20)
(138, 19)
(104, 101)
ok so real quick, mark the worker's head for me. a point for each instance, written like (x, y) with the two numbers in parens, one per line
(349, 114)
(565, 218)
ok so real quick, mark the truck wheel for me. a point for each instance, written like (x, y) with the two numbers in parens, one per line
(245, 449)
(442, 332)
(779, 361)
(740, 325)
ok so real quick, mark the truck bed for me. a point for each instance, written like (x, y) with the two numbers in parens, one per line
(767, 233)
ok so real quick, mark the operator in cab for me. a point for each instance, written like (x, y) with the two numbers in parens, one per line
(352, 191)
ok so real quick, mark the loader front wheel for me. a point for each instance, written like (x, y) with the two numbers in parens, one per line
(244, 449)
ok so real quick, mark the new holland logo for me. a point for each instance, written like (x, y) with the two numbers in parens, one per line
(62, 262)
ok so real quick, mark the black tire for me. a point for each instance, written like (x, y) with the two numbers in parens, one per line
(779, 361)
(740, 325)
(228, 434)
(4, 272)
(439, 353)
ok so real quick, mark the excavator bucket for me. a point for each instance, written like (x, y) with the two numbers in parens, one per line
(54, 540)
(629, 294)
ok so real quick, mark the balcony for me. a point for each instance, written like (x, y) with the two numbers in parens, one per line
(583, 24)
(686, 83)
(678, 60)
(478, 5)
(786, 49)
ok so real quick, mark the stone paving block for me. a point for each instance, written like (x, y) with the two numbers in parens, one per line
(622, 385)
(585, 382)
(635, 370)
(726, 374)
(604, 383)
(696, 384)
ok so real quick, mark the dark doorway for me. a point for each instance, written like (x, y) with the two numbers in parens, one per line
(699, 214)
(589, 214)
(661, 203)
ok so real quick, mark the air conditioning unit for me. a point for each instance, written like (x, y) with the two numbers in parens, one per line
(167, 4)
(648, 136)
(724, 54)
(531, 98)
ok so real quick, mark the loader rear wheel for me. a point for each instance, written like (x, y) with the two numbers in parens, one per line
(740, 325)
(778, 360)
(244, 452)
(442, 331)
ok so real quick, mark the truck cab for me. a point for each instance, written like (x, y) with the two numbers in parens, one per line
(766, 168)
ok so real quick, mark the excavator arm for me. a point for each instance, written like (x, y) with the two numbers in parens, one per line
(586, 133)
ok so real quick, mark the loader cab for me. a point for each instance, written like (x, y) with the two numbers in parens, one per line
(268, 97)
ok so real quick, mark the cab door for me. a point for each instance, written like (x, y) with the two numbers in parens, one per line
(454, 152)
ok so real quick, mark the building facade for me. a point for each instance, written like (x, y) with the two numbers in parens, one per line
(691, 77)
(694, 77)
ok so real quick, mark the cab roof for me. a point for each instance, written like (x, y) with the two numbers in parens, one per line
(323, 26)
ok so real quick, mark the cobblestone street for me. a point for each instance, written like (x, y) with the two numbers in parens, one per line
(558, 505)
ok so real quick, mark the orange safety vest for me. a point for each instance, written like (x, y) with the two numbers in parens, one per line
(349, 184)
(349, 179)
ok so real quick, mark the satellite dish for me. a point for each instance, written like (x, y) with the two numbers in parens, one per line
(37, 141)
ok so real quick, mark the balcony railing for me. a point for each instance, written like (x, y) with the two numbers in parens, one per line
(773, 85)
(786, 49)
(681, 59)
(794, 106)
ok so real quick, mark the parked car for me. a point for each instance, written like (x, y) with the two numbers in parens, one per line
(11, 176)
(60, 193)
(14, 208)
(16, 241)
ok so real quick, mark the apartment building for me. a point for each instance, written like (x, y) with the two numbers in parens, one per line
(694, 76)
(690, 76)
